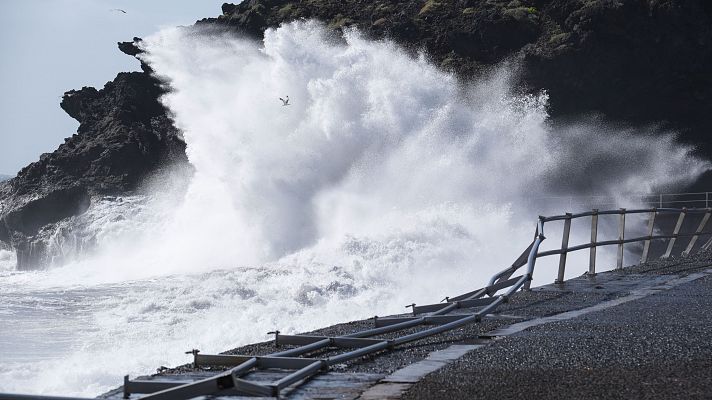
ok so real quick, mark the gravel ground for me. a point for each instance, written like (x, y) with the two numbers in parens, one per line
(637, 351)
(657, 347)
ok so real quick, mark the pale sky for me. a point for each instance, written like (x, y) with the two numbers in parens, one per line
(51, 46)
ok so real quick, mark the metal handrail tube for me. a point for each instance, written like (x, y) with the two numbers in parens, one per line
(387, 329)
(612, 242)
(615, 212)
(303, 349)
(244, 367)
(520, 262)
(429, 320)
(301, 340)
(369, 332)
(516, 287)
(531, 260)
(194, 389)
(501, 285)
(449, 326)
(475, 294)
(220, 359)
(453, 304)
(444, 308)
(448, 308)
(358, 353)
(203, 386)
(457, 302)
(298, 375)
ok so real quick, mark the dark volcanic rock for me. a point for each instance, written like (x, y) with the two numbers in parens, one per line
(634, 61)
(124, 132)
(132, 48)
(124, 135)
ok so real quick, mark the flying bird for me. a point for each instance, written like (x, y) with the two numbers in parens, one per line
(285, 101)
(118, 9)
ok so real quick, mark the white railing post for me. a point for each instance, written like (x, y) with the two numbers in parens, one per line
(646, 246)
(594, 235)
(564, 248)
(700, 228)
(621, 237)
(675, 233)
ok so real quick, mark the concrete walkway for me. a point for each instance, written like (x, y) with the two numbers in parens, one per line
(656, 347)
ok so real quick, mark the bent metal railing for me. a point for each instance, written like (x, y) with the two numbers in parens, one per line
(622, 240)
(362, 343)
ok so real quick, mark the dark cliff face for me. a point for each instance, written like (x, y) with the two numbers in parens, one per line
(632, 61)
(123, 136)
(643, 61)
(124, 132)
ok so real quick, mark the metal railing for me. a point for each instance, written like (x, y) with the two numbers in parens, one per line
(653, 213)
(436, 317)
(359, 344)
(659, 200)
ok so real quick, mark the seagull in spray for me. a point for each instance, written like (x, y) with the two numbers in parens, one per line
(285, 101)
(118, 9)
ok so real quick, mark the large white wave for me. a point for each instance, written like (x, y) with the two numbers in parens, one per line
(385, 181)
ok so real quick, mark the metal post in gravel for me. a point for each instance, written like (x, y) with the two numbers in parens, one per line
(675, 233)
(700, 228)
(594, 235)
(564, 247)
(621, 238)
(646, 246)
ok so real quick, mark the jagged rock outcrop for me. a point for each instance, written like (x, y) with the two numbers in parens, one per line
(124, 135)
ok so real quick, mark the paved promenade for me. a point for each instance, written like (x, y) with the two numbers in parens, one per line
(655, 347)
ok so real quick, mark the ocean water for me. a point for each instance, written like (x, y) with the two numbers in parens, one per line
(385, 181)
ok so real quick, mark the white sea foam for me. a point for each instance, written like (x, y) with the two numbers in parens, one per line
(385, 181)
(7, 261)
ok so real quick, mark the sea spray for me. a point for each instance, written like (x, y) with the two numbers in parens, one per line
(385, 181)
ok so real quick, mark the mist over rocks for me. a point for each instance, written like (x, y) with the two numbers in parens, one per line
(637, 62)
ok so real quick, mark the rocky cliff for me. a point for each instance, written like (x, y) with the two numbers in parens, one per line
(631, 61)
(124, 135)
